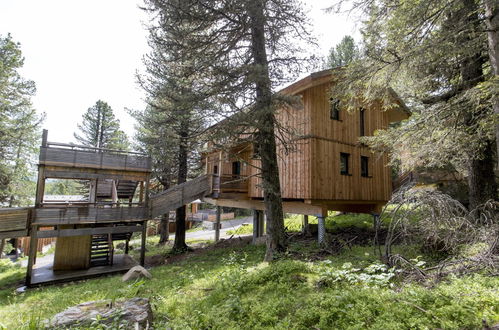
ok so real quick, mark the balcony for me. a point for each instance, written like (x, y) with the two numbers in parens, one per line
(69, 155)
(58, 214)
(230, 184)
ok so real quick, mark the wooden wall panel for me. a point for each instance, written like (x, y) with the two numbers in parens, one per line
(72, 253)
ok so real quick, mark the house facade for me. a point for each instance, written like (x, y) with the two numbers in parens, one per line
(324, 168)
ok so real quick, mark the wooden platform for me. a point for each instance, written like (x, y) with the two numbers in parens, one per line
(44, 275)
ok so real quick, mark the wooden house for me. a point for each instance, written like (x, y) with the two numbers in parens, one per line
(329, 169)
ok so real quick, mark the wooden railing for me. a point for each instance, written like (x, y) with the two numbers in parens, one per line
(230, 183)
(81, 215)
(179, 195)
(14, 221)
(58, 154)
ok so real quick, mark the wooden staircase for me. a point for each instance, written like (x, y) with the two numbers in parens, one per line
(179, 195)
(101, 251)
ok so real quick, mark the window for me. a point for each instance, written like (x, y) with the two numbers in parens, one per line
(364, 166)
(215, 169)
(236, 168)
(362, 121)
(344, 159)
(335, 109)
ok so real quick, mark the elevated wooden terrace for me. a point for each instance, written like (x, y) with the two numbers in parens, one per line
(77, 156)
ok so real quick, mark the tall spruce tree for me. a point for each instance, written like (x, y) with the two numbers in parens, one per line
(242, 51)
(343, 53)
(171, 125)
(435, 54)
(100, 128)
(19, 128)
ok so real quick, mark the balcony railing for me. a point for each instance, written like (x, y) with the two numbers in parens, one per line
(230, 183)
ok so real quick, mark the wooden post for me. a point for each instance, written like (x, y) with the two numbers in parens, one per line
(321, 234)
(258, 225)
(114, 193)
(217, 223)
(40, 186)
(255, 226)
(2, 245)
(143, 244)
(141, 192)
(92, 195)
(32, 253)
(306, 228)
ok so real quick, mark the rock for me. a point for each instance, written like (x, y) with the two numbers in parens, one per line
(136, 272)
(135, 313)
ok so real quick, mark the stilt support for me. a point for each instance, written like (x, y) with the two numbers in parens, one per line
(143, 244)
(258, 225)
(306, 227)
(33, 242)
(217, 223)
(321, 234)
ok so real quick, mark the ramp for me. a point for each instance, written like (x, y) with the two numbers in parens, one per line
(179, 195)
(14, 222)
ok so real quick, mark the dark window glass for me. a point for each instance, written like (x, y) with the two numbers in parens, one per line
(335, 109)
(362, 121)
(364, 166)
(236, 168)
(344, 159)
(215, 169)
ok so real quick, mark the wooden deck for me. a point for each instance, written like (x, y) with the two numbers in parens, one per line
(66, 155)
(44, 275)
(81, 215)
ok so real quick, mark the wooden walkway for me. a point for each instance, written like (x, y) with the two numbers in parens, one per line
(45, 275)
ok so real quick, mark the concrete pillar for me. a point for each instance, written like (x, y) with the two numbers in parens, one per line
(321, 234)
(217, 223)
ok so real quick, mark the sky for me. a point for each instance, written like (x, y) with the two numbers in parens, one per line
(81, 51)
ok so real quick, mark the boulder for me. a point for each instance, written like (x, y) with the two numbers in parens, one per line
(135, 313)
(136, 272)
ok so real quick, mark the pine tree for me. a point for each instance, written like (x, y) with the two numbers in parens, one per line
(434, 53)
(19, 128)
(343, 53)
(241, 51)
(100, 129)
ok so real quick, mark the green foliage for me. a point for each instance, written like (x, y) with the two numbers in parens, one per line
(372, 275)
(100, 128)
(62, 187)
(19, 128)
(343, 53)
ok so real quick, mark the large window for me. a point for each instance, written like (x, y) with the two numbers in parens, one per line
(364, 166)
(362, 121)
(344, 163)
(335, 109)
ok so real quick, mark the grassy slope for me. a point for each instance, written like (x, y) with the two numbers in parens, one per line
(231, 288)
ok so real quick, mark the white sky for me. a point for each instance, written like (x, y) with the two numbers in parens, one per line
(80, 51)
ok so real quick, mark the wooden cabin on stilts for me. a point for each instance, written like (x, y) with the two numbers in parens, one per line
(327, 168)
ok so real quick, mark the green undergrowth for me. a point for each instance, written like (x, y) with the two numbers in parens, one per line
(231, 288)
(334, 223)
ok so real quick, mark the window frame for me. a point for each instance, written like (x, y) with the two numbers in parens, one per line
(334, 109)
(362, 122)
(344, 156)
(364, 162)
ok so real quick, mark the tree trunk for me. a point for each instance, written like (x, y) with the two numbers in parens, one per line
(276, 240)
(164, 224)
(492, 22)
(180, 245)
(481, 177)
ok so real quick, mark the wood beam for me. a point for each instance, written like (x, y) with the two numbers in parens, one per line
(88, 231)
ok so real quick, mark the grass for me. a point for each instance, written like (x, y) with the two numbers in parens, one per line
(334, 222)
(231, 288)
